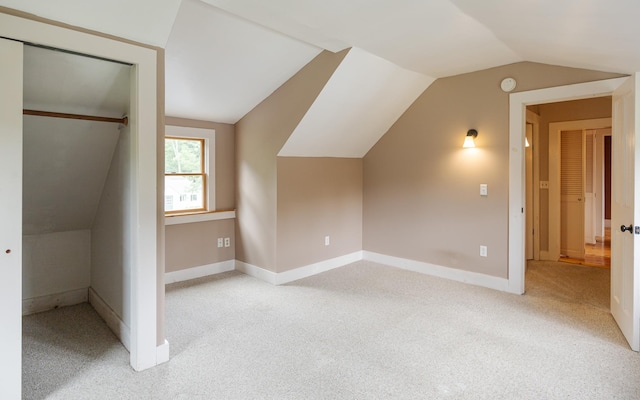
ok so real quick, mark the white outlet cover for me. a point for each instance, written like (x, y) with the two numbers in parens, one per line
(483, 251)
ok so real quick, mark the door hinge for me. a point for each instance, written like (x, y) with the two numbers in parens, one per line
(637, 230)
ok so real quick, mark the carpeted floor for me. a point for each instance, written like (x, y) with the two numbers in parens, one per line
(364, 331)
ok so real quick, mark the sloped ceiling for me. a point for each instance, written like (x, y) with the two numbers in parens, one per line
(447, 37)
(225, 56)
(359, 103)
(219, 66)
(431, 37)
(67, 161)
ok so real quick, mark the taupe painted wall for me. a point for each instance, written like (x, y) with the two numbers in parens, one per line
(259, 137)
(599, 107)
(317, 197)
(421, 189)
(195, 244)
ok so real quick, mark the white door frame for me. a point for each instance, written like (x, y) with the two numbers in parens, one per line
(554, 173)
(11, 143)
(534, 119)
(518, 103)
(144, 352)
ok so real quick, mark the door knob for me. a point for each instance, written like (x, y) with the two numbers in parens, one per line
(627, 228)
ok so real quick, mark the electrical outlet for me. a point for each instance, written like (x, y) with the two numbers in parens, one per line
(227, 242)
(483, 251)
(327, 240)
(220, 242)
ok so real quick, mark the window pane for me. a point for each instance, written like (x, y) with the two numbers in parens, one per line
(183, 156)
(183, 193)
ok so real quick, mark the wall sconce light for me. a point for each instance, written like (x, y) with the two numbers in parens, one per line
(469, 140)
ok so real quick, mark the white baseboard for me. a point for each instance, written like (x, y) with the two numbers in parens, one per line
(317, 268)
(198, 272)
(162, 353)
(117, 326)
(49, 302)
(453, 274)
(257, 272)
(298, 273)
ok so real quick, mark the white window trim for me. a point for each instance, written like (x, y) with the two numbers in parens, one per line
(209, 136)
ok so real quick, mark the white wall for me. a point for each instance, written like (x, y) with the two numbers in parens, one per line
(111, 234)
(55, 263)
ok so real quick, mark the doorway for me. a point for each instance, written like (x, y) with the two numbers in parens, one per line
(147, 348)
(577, 195)
(75, 169)
(624, 288)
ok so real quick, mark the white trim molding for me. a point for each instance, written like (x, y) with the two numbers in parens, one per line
(162, 353)
(280, 278)
(56, 300)
(458, 275)
(257, 272)
(198, 217)
(198, 272)
(117, 326)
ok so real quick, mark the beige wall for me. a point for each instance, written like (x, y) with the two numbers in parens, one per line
(259, 137)
(599, 107)
(195, 244)
(317, 197)
(421, 189)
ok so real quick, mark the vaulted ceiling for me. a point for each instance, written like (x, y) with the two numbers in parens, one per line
(225, 56)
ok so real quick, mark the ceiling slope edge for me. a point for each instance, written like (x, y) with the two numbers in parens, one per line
(363, 98)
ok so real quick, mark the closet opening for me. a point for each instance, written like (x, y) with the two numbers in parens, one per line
(76, 196)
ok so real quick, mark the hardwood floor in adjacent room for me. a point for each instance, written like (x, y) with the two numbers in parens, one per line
(596, 255)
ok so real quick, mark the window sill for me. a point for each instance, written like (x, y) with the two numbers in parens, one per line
(198, 217)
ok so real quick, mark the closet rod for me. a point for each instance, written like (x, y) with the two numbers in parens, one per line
(124, 120)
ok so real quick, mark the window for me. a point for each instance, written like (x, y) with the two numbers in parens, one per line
(188, 161)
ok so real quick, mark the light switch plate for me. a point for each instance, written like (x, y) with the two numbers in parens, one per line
(484, 189)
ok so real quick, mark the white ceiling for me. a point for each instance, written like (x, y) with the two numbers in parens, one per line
(219, 66)
(226, 56)
(362, 99)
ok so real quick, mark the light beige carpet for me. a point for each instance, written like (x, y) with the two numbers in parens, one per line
(364, 331)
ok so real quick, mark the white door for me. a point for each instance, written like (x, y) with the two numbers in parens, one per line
(572, 194)
(625, 194)
(11, 219)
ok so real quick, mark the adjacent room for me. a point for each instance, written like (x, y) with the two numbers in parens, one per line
(213, 199)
